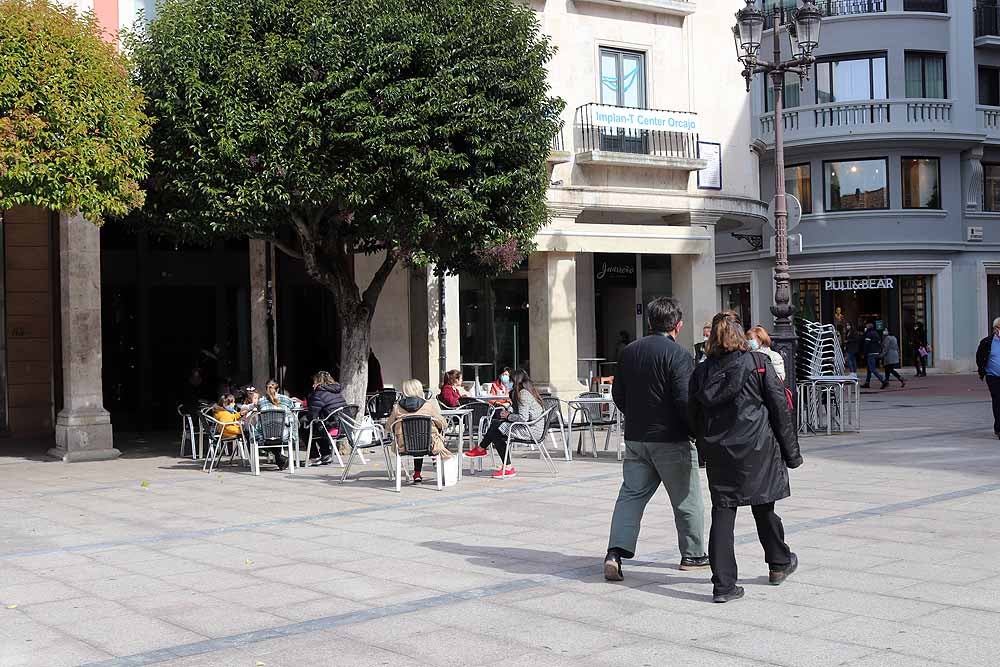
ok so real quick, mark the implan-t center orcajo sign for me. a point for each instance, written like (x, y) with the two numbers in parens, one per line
(834, 284)
(642, 119)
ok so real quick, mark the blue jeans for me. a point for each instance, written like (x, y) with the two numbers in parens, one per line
(852, 362)
(872, 365)
(647, 465)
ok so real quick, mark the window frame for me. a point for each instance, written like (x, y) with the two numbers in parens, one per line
(888, 185)
(987, 165)
(807, 206)
(902, 188)
(618, 52)
(923, 55)
(995, 72)
(768, 87)
(942, 3)
(870, 56)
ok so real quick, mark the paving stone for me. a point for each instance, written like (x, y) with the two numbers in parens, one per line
(789, 649)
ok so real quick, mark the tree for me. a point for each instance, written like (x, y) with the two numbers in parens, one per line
(72, 122)
(416, 129)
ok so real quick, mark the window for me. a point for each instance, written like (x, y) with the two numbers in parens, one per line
(921, 182)
(940, 6)
(847, 79)
(989, 86)
(991, 187)
(623, 78)
(925, 75)
(790, 95)
(798, 182)
(855, 185)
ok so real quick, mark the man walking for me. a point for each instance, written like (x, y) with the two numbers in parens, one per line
(988, 361)
(872, 346)
(651, 390)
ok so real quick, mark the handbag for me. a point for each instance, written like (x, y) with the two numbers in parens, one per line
(922, 351)
(761, 370)
(365, 431)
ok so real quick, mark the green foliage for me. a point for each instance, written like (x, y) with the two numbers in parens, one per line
(72, 124)
(420, 127)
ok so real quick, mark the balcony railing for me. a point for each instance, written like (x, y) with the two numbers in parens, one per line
(987, 19)
(558, 143)
(863, 117)
(594, 136)
(989, 121)
(827, 8)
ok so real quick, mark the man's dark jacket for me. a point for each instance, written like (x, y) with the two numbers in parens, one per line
(873, 342)
(983, 355)
(651, 389)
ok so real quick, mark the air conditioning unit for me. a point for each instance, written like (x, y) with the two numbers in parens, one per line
(974, 234)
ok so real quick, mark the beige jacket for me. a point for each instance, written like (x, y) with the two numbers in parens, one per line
(426, 409)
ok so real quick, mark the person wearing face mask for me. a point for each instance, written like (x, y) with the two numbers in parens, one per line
(760, 340)
(502, 385)
(699, 348)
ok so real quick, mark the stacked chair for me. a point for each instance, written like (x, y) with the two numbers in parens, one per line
(829, 398)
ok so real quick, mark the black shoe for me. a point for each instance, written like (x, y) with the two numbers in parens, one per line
(902, 384)
(777, 577)
(884, 385)
(735, 594)
(866, 386)
(326, 460)
(613, 567)
(282, 461)
(697, 563)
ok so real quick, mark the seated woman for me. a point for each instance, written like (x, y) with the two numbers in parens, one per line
(452, 390)
(272, 400)
(227, 413)
(502, 385)
(413, 403)
(248, 399)
(327, 396)
(526, 406)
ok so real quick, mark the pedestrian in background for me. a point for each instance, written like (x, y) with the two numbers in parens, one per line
(760, 341)
(651, 390)
(872, 348)
(988, 361)
(890, 359)
(747, 435)
(852, 348)
(921, 350)
(699, 348)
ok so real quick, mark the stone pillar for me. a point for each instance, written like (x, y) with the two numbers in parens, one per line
(972, 179)
(453, 329)
(260, 368)
(693, 283)
(83, 426)
(552, 322)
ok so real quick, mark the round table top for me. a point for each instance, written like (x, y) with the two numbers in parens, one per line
(477, 363)
(590, 358)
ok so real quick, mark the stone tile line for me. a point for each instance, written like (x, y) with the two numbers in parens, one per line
(271, 523)
(314, 625)
(328, 622)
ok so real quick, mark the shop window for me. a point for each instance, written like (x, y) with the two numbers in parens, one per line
(849, 79)
(855, 185)
(806, 299)
(989, 86)
(790, 94)
(798, 182)
(914, 314)
(921, 182)
(925, 75)
(991, 187)
(737, 298)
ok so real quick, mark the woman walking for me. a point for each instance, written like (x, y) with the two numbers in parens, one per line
(745, 431)
(890, 359)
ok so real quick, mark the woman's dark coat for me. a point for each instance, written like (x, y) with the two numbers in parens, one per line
(324, 399)
(744, 429)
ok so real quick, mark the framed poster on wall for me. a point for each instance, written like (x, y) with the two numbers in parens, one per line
(710, 178)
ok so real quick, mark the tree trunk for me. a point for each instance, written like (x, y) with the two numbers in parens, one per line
(355, 342)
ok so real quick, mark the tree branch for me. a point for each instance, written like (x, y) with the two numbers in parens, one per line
(280, 245)
(370, 296)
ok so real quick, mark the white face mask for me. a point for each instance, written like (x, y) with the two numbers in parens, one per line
(754, 344)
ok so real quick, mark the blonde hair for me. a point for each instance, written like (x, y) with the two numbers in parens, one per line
(727, 335)
(760, 333)
(413, 388)
(271, 389)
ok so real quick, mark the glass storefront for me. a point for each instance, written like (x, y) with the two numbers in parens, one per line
(901, 304)
(494, 314)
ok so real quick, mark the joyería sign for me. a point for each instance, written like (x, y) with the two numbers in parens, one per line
(614, 268)
(840, 284)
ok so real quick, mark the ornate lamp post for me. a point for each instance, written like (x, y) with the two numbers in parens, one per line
(803, 36)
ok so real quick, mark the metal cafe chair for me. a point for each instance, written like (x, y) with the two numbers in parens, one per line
(482, 415)
(189, 434)
(556, 417)
(417, 432)
(272, 432)
(521, 433)
(361, 435)
(380, 405)
(593, 417)
(324, 425)
(219, 442)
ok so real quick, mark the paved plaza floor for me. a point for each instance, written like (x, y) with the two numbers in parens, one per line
(147, 560)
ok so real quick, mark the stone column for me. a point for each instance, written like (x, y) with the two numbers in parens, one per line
(453, 329)
(693, 283)
(260, 369)
(552, 322)
(972, 179)
(83, 426)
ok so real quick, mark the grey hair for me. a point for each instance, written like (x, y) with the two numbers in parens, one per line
(996, 323)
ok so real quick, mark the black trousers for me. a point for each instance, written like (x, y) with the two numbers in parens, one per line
(498, 439)
(920, 363)
(890, 371)
(721, 547)
(993, 382)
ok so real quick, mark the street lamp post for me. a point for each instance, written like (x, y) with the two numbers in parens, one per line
(803, 38)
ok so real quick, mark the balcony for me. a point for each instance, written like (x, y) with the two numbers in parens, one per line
(987, 22)
(989, 121)
(636, 137)
(828, 8)
(878, 119)
(669, 7)
(558, 153)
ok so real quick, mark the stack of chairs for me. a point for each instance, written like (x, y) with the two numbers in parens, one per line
(829, 398)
